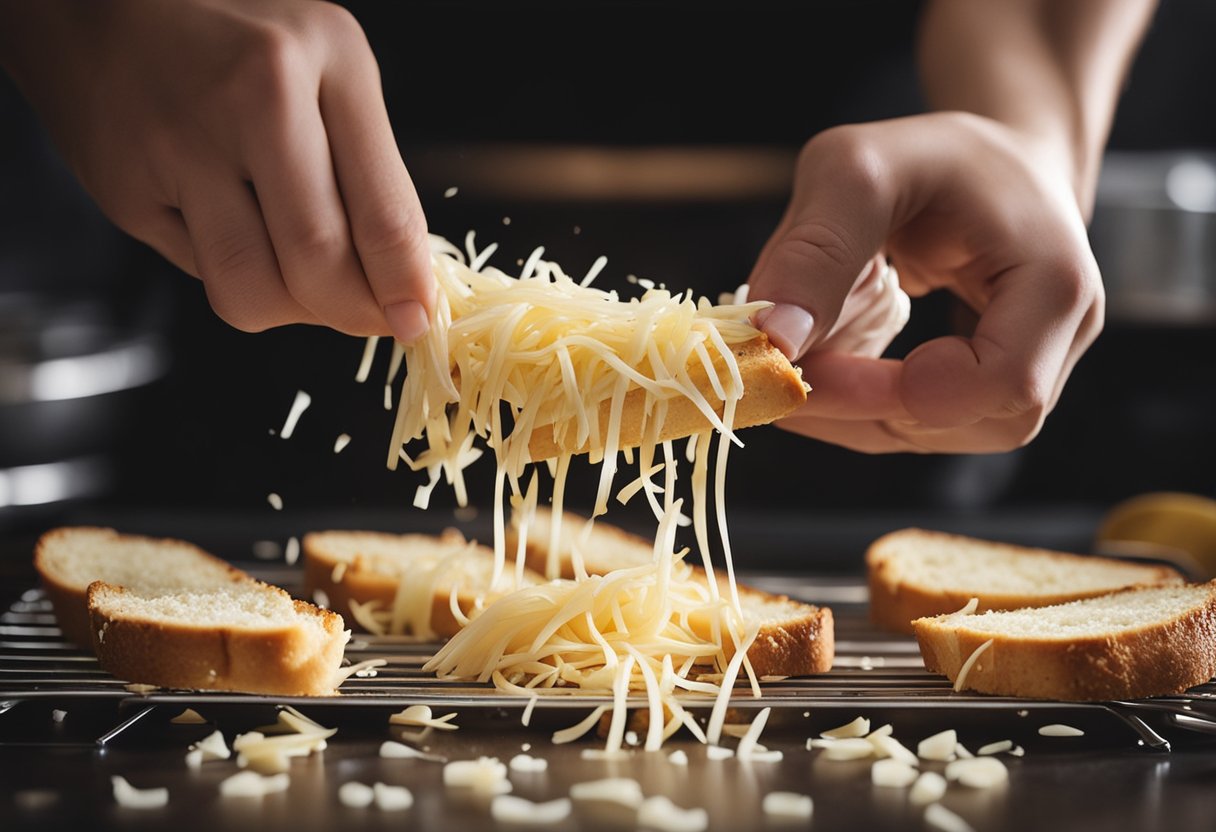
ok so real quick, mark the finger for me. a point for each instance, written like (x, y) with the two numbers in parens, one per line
(877, 436)
(852, 388)
(871, 437)
(1012, 364)
(288, 155)
(838, 219)
(165, 231)
(386, 220)
(233, 254)
(1091, 327)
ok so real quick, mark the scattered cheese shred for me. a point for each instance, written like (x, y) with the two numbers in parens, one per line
(892, 773)
(940, 746)
(526, 764)
(619, 790)
(930, 787)
(942, 819)
(1058, 730)
(967, 665)
(129, 797)
(400, 751)
(421, 716)
(661, 814)
(392, 798)
(787, 805)
(577, 730)
(506, 808)
(995, 748)
(978, 772)
(298, 406)
(485, 775)
(252, 784)
(859, 727)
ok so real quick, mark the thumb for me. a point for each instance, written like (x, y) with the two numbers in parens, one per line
(837, 221)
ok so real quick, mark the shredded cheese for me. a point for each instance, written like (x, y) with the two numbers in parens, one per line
(129, 797)
(547, 361)
(967, 665)
(298, 406)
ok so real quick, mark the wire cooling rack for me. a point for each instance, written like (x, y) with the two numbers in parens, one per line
(872, 669)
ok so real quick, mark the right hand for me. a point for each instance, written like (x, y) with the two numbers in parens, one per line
(248, 142)
(957, 202)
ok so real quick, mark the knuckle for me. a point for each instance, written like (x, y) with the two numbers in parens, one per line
(392, 232)
(271, 62)
(812, 241)
(1027, 392)
(361, 319)
(1077, 282)
(338, 22)
(314, 242)
(235, 310)
(851, 155)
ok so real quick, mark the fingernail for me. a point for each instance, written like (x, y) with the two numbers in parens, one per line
(407, 320)
(788, 327)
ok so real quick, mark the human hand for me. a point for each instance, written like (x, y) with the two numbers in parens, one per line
(245, 140)
(956, 202)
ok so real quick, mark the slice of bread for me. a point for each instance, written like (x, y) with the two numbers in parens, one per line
(915, 573)
(1148, 641)
(375, 567)
(773, 388)
(69, 559)
(608, 547)
(246, 636)
(795, 639)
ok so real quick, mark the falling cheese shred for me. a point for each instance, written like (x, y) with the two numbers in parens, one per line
(543, 357)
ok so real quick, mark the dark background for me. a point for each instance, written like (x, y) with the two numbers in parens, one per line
(463, 81)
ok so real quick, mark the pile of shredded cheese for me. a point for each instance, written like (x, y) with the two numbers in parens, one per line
(507, 357)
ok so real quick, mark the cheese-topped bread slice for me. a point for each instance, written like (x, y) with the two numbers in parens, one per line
(772, 389)
(69, 559)
(1149, 641)
(795, 639)
(247, 636)
(915, 573)
(403, 583)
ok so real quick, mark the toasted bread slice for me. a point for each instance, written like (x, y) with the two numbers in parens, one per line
(795, 639)
(772, 386)
(915, 573)
(247, 636)
(608, 547)
(69, 559)
(1148, 641)
(375, 567)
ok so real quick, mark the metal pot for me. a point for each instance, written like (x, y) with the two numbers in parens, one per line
(66, 374)
(1154, 236)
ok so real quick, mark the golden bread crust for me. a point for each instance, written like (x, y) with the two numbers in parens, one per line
(285, 661)
(1155, 660)
(70, 601)
(895, 601)
(772, 388)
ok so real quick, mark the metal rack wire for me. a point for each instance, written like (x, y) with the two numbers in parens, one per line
(871, 670)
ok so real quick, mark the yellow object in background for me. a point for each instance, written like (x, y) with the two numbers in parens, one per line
(1167, 524)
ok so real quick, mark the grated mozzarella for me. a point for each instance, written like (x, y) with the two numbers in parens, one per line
(298, 406)
(661, 814)
(129, 797)
(787, 805)
(543, 356)
(967, 665)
